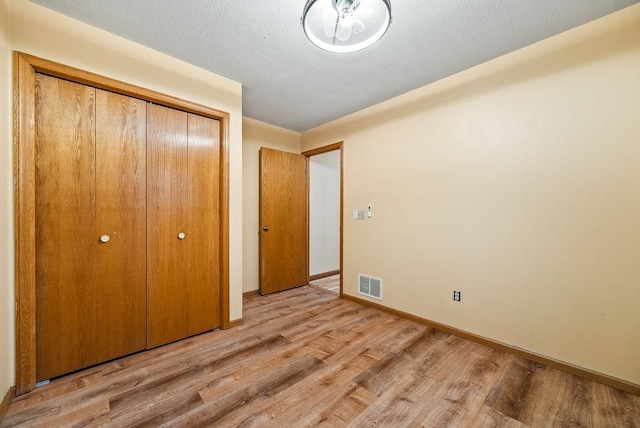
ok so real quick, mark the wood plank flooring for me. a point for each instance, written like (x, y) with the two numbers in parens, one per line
(330, 284)
(305, 358)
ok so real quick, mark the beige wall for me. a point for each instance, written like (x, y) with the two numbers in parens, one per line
(6, 210)
(255, 135)
(41, 32)
(518, 183)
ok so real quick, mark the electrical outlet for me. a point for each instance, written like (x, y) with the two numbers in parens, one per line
(456, 296)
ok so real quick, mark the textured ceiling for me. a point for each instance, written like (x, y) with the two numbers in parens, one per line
(290, 83)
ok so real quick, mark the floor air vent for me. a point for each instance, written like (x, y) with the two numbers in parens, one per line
(370, 286)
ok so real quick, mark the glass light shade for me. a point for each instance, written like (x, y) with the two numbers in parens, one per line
(344, 26)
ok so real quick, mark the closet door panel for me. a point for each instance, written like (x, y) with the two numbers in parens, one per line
(120, 271)
(166, 218)
(203, 224)
(66, 238)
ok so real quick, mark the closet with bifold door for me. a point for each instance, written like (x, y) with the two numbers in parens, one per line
(182, 198)
(127, 201)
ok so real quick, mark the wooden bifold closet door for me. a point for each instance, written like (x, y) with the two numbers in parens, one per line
(183, 200)
(127, 203)
(90, 184)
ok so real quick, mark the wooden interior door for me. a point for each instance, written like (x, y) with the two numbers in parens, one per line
(120, 271)
(284, 233)
(167, 231)
(203, 260)
(65, 229)
(183, 225)
(89, 171)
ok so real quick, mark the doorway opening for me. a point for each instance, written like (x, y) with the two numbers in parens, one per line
(325, 218)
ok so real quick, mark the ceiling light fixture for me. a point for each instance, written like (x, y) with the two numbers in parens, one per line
(344, 26)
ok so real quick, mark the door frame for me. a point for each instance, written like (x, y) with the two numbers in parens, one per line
(324, 149)
(25, 67)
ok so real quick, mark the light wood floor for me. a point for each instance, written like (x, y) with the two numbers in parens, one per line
(329, 284)
(306, 358)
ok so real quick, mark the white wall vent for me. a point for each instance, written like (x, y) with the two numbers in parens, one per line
(370, 286)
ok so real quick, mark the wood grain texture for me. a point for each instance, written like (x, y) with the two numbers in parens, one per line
(6, 401)
(224, 220)
(91, 296)
(24, 221)
(620, 384)
(25, 67)
(323, 149)
(284, 247)
(167, 199)
(73, 74)
(119, 269)
(341, 217)
(330, 284)
(236, 323)
(66, 238)
(249, 294)
(323, 275)
(203, 223)
(184, 197)
(306, 358)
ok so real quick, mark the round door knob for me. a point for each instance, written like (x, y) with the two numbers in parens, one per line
(105, 238)
(265, 228)
(181, 235)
